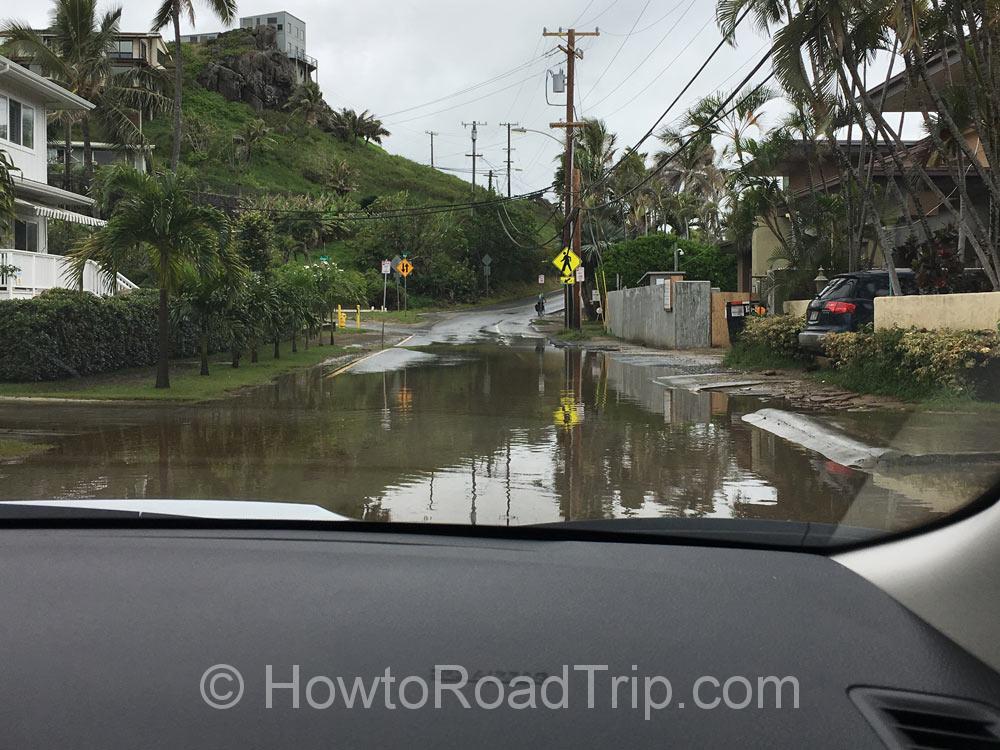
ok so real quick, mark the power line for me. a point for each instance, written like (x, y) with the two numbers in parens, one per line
(619, 50)
(644, 60)
(501, 76)
(660, 74)
(462, 104)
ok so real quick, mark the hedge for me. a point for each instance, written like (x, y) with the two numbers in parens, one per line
(63, 333)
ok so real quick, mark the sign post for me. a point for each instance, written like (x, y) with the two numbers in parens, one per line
(405, 268)
(386, 270)
(487, 263)
(395, 262)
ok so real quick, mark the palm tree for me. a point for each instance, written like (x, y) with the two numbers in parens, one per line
(307, 102)
(7, 169)
(255, 134)
(78, 58)
(170, 13)
(371, 128)
(211, 298)
(154, 217)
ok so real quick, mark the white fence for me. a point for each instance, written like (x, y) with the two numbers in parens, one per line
(39, 271)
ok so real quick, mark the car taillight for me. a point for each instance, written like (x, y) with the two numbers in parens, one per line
(840, 308)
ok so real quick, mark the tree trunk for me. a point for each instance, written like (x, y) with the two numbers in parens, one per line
(88, 152)
(295, 342)
(163, 343)
(253, 354)
(237, 355)
(175, 154)
(203, 342)
(277, 347)
(333, 326)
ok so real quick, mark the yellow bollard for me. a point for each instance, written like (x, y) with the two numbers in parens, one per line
(341, 317)
(357, 316)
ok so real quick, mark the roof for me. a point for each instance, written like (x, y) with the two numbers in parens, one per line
(106, 146)
(901, 97)
(53, 95)
(272, 13)
(659, 273)
(49, 193)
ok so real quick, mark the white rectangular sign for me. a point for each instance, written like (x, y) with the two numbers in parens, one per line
(580, 274)
(541, 278)
(386, 268)
(668, 302)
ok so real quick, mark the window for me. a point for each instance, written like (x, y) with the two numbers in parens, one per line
(26, 235)
(122, 50)
(143, 51)
(17, 122)
(280, 26)
(272, 21)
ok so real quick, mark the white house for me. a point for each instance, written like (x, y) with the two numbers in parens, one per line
(26, 99)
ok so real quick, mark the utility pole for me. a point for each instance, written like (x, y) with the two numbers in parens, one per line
(509, 150)
(475, 135)
(572, 293)
(491, 182)
(431, 133)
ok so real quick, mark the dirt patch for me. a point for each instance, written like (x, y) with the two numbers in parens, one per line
(805, 392)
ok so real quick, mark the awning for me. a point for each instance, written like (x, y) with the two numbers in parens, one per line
(48, 212)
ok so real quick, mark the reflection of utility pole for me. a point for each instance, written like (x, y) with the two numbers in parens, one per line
(509, 150)
(572, 291)
(431, 133)
(475, 135)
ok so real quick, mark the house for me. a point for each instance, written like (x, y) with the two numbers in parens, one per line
(290, 39)
(135, 155)
(26, 99)
(132, 49)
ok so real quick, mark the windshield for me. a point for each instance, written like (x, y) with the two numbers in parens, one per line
(494, 285)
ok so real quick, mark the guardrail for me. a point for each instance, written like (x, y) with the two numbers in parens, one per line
(40, 271)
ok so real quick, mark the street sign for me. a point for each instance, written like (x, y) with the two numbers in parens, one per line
(541, 278)
(386, 267)
(568, 414)
(580, 274)
(395, 262)
(487, 260)
(567, 280)
(566, 261)
(405, 268)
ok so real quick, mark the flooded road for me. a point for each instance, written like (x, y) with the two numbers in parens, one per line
(474, 422)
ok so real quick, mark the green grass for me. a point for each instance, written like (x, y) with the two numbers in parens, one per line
(746, 357)
(294, 149)
(406, 317)
(10, 448)
(588, 330)
(870, 379)
(185, 382)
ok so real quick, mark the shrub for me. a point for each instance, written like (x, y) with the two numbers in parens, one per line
(912, 362)
(63, 333)
(778, 334)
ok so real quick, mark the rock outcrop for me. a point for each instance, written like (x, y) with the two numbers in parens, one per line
(247, 66)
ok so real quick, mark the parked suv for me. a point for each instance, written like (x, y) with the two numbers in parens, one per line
(847, 303)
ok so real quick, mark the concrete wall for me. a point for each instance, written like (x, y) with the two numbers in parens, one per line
(764, 245)
(638, 315)
(973, 312)
(797, 307)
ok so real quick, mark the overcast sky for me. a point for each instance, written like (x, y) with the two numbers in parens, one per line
(392, 56)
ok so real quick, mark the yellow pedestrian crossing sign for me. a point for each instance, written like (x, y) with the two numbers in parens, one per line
(567, 262)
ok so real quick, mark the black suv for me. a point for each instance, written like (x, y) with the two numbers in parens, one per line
(847, 303)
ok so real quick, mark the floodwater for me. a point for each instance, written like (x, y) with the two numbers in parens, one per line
(492, 430)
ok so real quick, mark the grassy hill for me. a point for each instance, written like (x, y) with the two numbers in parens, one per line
(295, 154)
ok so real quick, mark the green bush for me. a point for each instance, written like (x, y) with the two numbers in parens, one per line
(778, 334)
(62, 333)
(911, 362)
(633, 258)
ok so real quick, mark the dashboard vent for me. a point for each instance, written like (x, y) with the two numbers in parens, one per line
(928, 722)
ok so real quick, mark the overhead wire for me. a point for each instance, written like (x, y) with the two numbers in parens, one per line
(619, 50)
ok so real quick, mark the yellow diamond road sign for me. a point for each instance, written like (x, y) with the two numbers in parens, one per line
(567, 262)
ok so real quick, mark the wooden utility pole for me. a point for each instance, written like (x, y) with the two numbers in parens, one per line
(475, 135)
(509, 150)
(431, 133)
(572, 292)
(491, 182)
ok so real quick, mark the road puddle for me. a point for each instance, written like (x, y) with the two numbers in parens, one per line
(483, 433)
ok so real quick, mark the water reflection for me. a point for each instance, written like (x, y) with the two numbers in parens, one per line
(480, 434)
